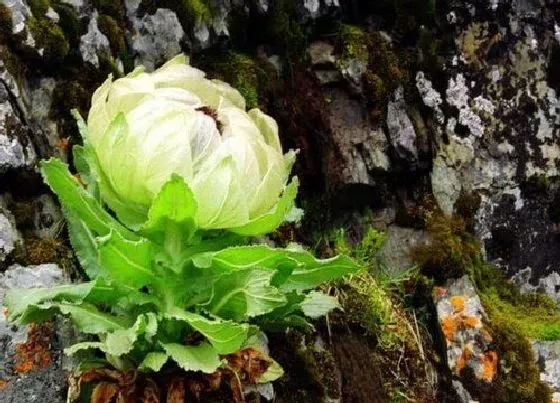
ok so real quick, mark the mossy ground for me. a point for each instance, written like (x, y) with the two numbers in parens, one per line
(513, 318)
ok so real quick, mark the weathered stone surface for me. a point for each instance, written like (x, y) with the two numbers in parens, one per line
(395, 252)
(159, 38)
(547, 357)
(31, 356)
(93, 42)
(360, 147)
(401, 130)
(460, 314)
(9, 235)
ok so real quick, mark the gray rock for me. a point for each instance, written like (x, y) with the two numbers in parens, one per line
(322, 53)
(16, 150)
(159, 37)
(9, 235)
(395, 252)
(359, 147)
(547, 357)
(93, 42)
(401, 130)
(47, 383)
(460, 314)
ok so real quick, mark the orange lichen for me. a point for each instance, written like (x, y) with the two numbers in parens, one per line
(463, 359)
(449, 327)
(35, 353)
(458, 302)
(3, 383)
(490, 364)
(439, 292)
(470, 321)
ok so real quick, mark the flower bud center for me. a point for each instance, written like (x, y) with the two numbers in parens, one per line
(213, 113)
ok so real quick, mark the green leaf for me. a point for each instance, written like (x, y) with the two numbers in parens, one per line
(73, 195)
(122, 341)
(201, 357)
(17, 299)
(273, 219)
(273, 373)
(310, 274)
(317, 304)
(244, 294)
(82, 126)
(175, 207)
(153, 361)
(225, 336)
(127, 262)
(83, 242)
(86, 317)
(242, 258)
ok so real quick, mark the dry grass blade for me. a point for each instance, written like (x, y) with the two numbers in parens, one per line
(104, 392)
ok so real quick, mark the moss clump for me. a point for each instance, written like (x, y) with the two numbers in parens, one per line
(109, 27)
(518, 379)
(113, 8)
(5, 21)
(50, 38)
(39, 7)
(385, 72)
(252, 77)
(39, 251)
(69, 21)
(452, 250)
(535, 315)
(285, 30)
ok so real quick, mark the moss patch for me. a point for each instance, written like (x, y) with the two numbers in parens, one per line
(253, 77)
(452, 250)
(39, 7)
(110, 28)
(50, 38)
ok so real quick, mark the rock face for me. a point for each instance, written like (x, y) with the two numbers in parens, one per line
(31, 356)
(401, 109)
(547, 357)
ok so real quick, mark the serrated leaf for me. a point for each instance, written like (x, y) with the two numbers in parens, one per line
(317, 304)
(85, 345)
(73, 195)
(88, 319)
(202, 357)
(122, 341)
(242, 258)
(80, 122)
(225, 336)
(17, 300)
(153, 361)
(127, 262)
(310, 275)
(173, 207)
(273, 219)
(243, 294)
(83, 242)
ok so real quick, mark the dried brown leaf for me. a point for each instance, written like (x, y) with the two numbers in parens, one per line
(104, 392)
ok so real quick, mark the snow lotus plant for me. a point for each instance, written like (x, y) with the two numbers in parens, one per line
(173, 177)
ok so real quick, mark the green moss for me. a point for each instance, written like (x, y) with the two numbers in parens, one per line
(248, 75)
(353, 43)
(39, 7)
(50, 38)
(5, 21)
(518, 379)
(285, 30)
(109, 27)
(69, 21)
(113, 8)
(199, 10)
(452, 251)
